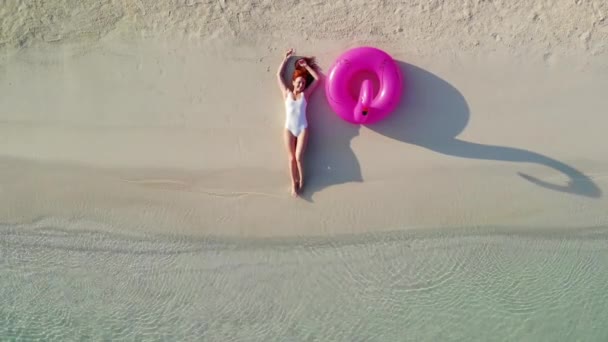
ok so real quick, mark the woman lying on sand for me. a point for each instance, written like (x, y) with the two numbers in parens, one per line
(296, 125)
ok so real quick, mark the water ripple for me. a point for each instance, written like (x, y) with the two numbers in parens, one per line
(62, 284)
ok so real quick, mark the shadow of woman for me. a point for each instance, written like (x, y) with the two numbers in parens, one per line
(432, 113)
(329, 157)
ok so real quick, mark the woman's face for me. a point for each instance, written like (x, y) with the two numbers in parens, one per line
(299, 84)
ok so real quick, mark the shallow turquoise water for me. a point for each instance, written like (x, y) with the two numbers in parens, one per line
(471, 285)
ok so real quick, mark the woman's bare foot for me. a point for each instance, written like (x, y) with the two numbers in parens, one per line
(294, 189)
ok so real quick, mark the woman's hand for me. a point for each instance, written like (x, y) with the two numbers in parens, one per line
(302, 62)
(288, 53)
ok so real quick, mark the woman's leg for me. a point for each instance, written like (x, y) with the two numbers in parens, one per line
(300, 148)
(290, 144)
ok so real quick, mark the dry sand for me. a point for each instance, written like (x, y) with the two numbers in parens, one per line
(151, 116)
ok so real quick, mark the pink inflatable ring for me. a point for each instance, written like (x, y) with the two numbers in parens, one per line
(379, 92)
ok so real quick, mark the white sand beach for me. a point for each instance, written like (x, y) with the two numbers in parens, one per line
(141, 115)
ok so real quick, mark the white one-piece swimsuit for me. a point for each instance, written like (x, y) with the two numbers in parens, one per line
(295, 120)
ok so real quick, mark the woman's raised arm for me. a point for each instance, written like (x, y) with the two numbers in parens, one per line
(314, 75)
(282, 85)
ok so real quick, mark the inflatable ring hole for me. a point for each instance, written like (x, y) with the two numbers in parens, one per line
(354, 84)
